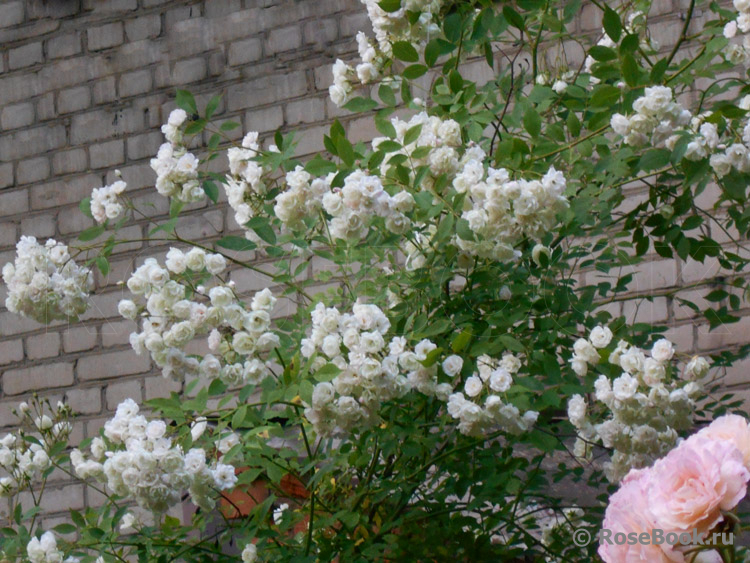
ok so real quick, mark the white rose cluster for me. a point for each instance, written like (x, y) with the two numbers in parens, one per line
(388, 27)
(352, 208)
(44, 549)
(44, 283)
(139, 461)
(23, 459)
(657, 116)
(104, 202)
(481, 408)
(240, 340)
(502, 211)
(739, 54)
(370, 372)
(176, 168)
(436, 145)
(244, 184)
(640, 412)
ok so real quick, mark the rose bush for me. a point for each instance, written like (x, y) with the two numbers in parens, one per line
(421, 404)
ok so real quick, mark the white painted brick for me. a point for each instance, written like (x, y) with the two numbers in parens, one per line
(104, 36)
(32, 170)
(11, 13)
(85, 401)
(118, 392)
(107, 154)
(64, 46)
(79, 338)
(69, 161)
(11, 351)
(18, 115)
(45, 345)
(6, 175)
(284, 39)
(143, 27)
(17, 381)
(159, 386)
(112, 364)
(134, 83)
(8, 236)
(24, 56)
(74, 99)
(42, 226)
(117, 333)
(12, 203)
(265, 120)
(243, 52)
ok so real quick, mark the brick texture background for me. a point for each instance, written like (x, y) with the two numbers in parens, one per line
(84, 88)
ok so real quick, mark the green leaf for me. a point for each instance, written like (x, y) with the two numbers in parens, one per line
(345, 151)
(513, 17)
(212, 105)
(604, 96)
(630, 71)
(91, 233)
(103, 264)
(85, 207)
(229, 125)
(211, 190)
(405, 51)
(233, 242)
(327, 372)
(385, 127)
(318, 166)
(414, 71)
(167, 227)
(262, 228)
(412, 134)
(186, 101)
(461, 341)
(601, 53)
(390, 6)
(532, 122)
(611, 23)
(358, 105)
(463, 230)
(386, 95)
(653, 159)
(196, 127)
(65, 528)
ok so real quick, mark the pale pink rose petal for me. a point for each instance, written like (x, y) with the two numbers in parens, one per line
(694, 482)
(627, 513)
(734, 428)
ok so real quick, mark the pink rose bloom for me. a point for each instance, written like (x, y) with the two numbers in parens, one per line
(733, 428)
(696, 481)
(628, 513)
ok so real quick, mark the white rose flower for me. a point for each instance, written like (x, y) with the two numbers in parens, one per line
(473, 386)
(600, 336)
(452, 365)
(127, 309)
(662, 350)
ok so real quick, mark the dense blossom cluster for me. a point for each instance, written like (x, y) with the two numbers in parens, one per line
(644, 407)
(176, 168)
(104, 202)
(24, 457)
(483, 406)
(369, 369)
(503, 211)
(44, 550)
(45, 283)
(240, 340)
(657, 116)
(389, 27)
(739, 54)
(138, 460)
(686, 492)
(245, 184)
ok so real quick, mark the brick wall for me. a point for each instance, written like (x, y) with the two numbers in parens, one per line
(84, 87)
